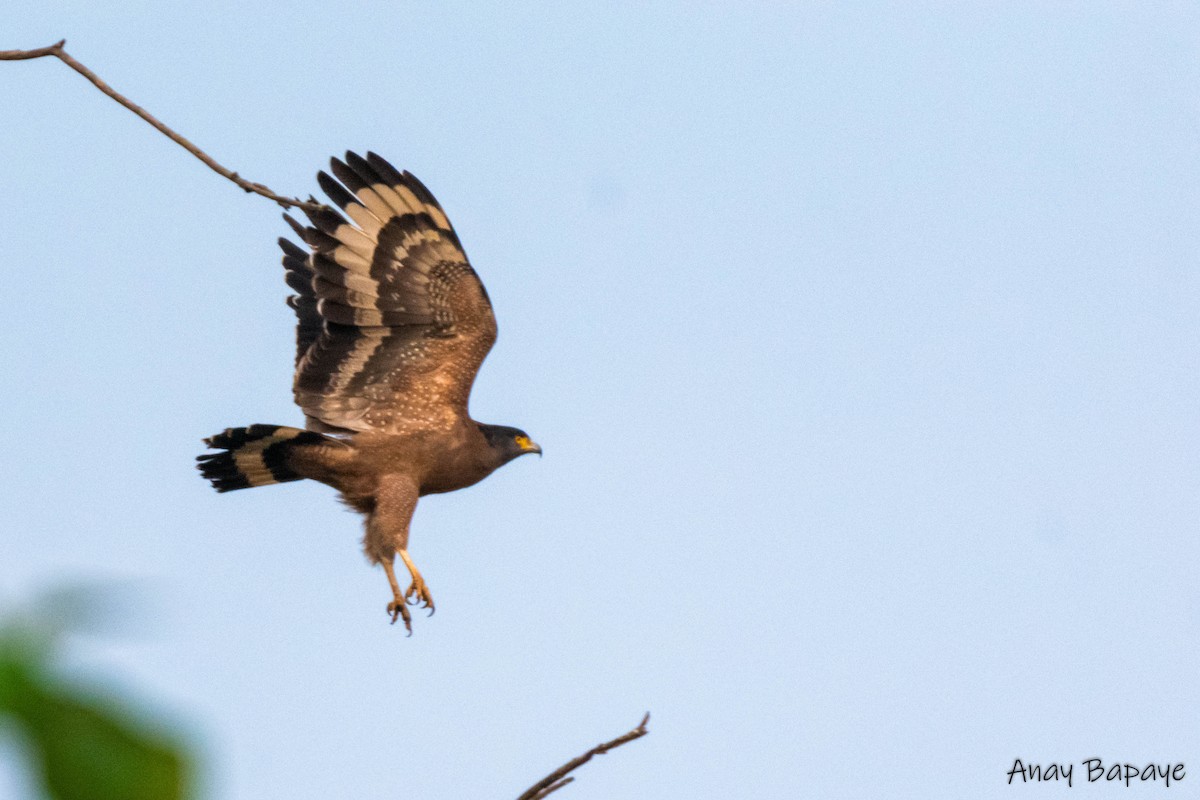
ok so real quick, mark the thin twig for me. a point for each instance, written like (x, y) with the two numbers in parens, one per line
(554, 787)
(558, 779)
(56, 50)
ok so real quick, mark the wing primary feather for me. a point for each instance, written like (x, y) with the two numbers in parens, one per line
(420, 191)
(350, 176)
(337, 193)
(362, 169)
(356, 205)
(386, 171)
(297, 228)
(341, 294)
(297, 272)
(292, 250)
(320, 242)
(326, 220)
(298, 283)
(425, 197)
(347, 315)
(333, 272)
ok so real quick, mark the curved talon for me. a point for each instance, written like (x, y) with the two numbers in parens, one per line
(396, 609)
(418, 595)
(399, 611)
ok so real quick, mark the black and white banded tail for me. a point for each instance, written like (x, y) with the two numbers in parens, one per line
(254, 456)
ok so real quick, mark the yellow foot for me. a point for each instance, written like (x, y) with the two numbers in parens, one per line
(418, 594)
(399, 610)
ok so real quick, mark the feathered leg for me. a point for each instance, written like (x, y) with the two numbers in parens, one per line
(387, 536)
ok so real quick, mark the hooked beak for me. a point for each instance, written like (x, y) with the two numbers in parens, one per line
(528, 445)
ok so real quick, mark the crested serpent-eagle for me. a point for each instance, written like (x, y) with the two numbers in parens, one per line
(392, 325)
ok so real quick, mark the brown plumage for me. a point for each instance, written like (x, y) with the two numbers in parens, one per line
(392, 326)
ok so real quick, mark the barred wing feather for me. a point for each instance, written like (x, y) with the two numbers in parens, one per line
(392, 321)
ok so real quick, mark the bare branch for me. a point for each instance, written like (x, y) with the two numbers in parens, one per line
(558, 779)
(554, 787)
(56, 50)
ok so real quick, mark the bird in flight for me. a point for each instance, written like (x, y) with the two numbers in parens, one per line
(392, 324)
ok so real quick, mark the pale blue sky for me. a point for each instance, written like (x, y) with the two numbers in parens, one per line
(861, 340)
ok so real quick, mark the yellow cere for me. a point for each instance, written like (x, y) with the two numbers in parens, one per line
(523, 442)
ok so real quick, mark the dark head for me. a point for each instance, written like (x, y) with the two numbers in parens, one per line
(508, 443)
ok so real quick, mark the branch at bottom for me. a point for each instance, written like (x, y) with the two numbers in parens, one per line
(558, 779)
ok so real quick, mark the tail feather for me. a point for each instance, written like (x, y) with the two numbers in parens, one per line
(253, 456)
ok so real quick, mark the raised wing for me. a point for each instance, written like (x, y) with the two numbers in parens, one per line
(392, 321)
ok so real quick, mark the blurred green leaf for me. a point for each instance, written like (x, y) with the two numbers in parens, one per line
(83, 747)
